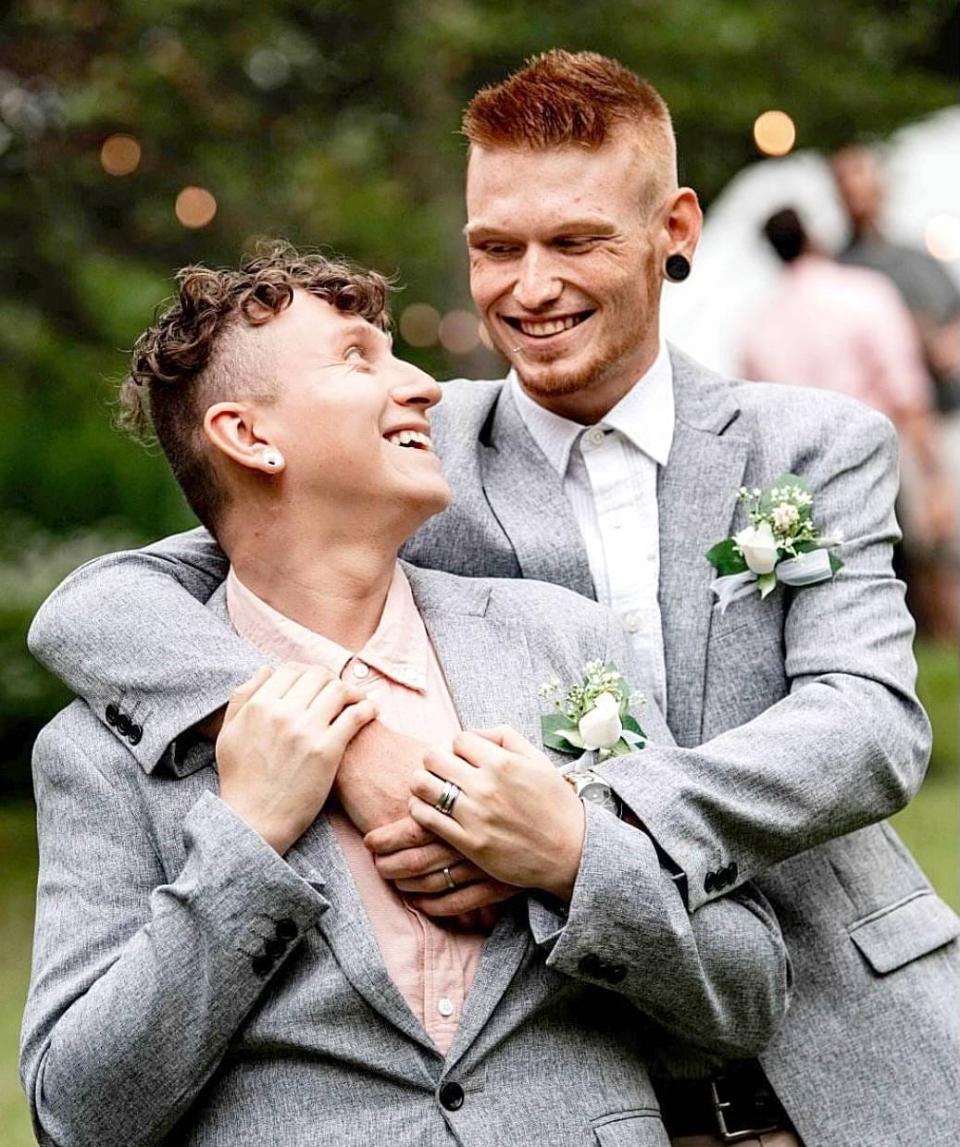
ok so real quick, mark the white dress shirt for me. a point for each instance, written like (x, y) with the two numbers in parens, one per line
(609, 474)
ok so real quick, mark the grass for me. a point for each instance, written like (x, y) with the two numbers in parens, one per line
(929, 827)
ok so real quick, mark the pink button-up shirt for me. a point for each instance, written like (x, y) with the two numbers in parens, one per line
(433, 966)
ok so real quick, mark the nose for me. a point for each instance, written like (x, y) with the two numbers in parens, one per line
(413, 386)
(538, 283)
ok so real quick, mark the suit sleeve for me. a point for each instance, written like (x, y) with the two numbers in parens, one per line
(129, 631)
(139, 984)
(849, 742)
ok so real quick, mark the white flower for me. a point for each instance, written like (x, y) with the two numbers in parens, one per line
(759, 548)
(601, 727)
(785, 516)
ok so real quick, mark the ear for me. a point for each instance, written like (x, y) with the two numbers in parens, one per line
(682, 222)
(231, 428)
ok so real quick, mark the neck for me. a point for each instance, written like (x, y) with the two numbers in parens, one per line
(317, 575)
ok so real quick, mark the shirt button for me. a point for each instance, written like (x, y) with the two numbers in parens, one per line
(616, 523)
(631, 622)
(445, 1006)
(360, 670)
(651, 557)
(595, 436)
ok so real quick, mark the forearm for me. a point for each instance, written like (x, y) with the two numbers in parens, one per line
(717, 979)
(120, 632)
(144, 1026)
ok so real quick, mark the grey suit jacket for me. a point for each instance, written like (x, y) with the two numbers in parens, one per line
(192, 987)
(796, 717)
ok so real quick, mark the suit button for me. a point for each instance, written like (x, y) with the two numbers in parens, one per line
(262, 965)
(591, 965)
(710, 882)
(135, 736)
(732, 872)
(275, 948)
(615, 973)
(286, 929)
(124, 724)
(451, 1096)
(112, 715)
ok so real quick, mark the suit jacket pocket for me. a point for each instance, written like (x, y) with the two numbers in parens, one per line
(639, 1127)
(904, 931)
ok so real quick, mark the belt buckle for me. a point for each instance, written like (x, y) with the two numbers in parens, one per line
(734, 1135)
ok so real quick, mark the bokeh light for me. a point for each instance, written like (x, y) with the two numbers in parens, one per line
(420, 325)
(459, 332)
(120, 155)
(774, 133)
(942, 237)
(195, 207)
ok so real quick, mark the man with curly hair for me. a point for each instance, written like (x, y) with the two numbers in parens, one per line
(218, 959)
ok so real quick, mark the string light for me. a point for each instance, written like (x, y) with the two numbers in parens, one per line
(120, 155)
(774, 133)
(420, 325)
(195, 207)
(942, 237)
(459, 332)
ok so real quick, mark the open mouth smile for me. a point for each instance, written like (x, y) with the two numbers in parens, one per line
(411, 440)
(547, 328)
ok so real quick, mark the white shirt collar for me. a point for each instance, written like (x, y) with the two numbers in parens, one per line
(645, 415)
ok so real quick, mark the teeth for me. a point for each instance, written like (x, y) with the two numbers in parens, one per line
(549, 327)
(410, 438)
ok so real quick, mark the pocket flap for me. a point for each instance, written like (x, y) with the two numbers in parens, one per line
(904, 931)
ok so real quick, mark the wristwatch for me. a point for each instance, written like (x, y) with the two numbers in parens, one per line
(590, 786)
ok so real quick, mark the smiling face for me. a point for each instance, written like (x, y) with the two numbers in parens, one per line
(566, 253)
(350, 420)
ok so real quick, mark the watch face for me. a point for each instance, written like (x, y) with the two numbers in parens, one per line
(598, 793)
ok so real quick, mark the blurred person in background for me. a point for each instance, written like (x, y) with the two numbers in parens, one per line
(933, 299)
(846, 329)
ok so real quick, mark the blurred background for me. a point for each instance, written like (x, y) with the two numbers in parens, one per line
(136, 138)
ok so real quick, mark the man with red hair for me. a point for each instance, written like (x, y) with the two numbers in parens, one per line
(610, 463)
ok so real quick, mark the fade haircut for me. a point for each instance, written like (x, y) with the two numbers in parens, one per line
(195, 354)
(562, 99)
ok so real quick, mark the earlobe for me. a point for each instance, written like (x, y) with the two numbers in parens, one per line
(229, 428)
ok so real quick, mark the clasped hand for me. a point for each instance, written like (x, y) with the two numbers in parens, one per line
(516, 822)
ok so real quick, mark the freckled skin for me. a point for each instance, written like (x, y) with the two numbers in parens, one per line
(570, 232)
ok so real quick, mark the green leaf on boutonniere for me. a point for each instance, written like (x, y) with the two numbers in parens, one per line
(630, 723)
(835, 562)
(767, 584)
(557, 734)
(726, 558)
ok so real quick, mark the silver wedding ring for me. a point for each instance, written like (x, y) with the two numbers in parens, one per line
(451, 883)
(447, 798)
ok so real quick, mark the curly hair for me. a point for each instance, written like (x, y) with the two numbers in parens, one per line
(188, 360)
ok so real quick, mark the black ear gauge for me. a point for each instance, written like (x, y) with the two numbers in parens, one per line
(677, 268)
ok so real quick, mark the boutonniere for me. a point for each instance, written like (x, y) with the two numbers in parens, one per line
(781, 544)
(593, 715)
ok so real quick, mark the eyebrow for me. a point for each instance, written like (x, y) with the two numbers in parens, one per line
(360, 329)
(586, 226)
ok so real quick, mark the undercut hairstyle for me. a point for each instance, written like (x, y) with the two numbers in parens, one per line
(561, 99)
(195, 354)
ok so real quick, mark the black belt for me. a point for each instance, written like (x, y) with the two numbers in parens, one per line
(737, 1103)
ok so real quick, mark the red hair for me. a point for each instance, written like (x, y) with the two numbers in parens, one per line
(561, 98)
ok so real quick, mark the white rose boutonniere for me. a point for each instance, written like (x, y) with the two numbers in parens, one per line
(593, 715)
(780, 545)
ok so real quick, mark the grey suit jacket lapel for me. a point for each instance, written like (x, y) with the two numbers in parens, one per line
(470, 647)
(697, 497)
(526, 495)
(318, 858)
